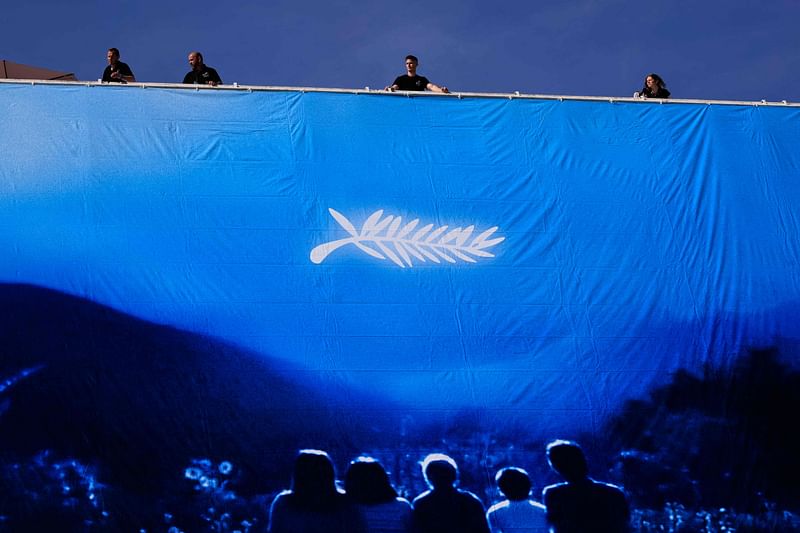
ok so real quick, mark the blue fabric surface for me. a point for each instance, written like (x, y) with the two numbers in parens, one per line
(637, 238)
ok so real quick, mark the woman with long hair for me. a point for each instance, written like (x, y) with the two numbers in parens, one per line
(314, 504)
(654, 87)
(369, 489)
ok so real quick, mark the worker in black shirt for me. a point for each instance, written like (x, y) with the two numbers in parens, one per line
(201, 73)
(117, 71)
(654, 87)
(411, 82)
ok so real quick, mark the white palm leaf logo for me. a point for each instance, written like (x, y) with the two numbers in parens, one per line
(387, 237)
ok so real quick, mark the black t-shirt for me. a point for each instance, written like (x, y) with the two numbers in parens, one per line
(203, 76)
(407, 83)
(120, 67)
(661, 92)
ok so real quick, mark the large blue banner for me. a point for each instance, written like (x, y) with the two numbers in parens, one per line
(237, 274)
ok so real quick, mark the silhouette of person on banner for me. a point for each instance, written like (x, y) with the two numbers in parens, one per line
(444, 508)
(314, 504)
(517, 514)
(368, 487)
(581, 504)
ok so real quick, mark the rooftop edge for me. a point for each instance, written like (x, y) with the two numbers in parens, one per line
(403, 94)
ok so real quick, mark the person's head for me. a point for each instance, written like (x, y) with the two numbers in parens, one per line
(195, 60)
(314, 479)
(440, 471)
(514, 483)
(654, 82)
(112, 55)
(367, 482)
(566, 457)
(411, 64)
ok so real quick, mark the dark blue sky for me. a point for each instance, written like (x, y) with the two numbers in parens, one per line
(744, 50)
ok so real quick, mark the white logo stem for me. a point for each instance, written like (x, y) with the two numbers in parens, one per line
(399, 245)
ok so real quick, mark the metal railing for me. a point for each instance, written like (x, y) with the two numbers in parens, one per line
(402, 94)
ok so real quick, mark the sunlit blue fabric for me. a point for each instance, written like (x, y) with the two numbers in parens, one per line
(638, 238)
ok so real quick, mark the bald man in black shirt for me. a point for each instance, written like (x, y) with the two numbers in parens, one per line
(201, 74)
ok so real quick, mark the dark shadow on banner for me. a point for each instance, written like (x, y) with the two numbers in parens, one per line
(110, 422)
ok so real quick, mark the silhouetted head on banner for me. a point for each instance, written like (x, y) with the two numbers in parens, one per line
(314, 479)
(440, 471)
(566, 457)
(367, 482)
(514, 483)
